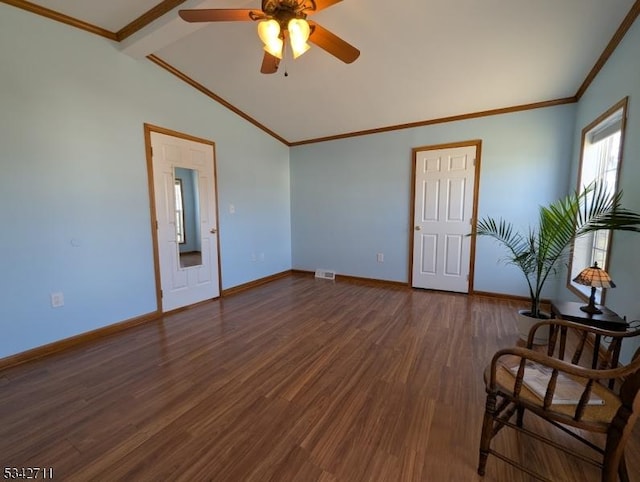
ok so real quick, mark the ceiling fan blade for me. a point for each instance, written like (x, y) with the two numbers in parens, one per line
(322, 4)
(332, 43)
(269, 64)
(218, 15)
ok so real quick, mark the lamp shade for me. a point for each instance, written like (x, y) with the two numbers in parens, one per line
(595, 277)
(269, 33)
(299, 32)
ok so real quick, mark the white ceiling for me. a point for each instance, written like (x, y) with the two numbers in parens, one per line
(421, 59)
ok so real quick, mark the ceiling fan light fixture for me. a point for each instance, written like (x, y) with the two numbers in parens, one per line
(269, 33)
(275, 48)
(299, 32)
(280, 22)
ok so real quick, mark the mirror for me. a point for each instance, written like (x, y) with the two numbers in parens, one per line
(188, 234)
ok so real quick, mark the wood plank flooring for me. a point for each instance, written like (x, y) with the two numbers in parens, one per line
(297, 380)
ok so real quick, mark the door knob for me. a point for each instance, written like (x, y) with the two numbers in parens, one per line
(418, 228)
(213, 230)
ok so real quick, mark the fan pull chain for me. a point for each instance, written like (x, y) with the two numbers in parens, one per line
(284, 60)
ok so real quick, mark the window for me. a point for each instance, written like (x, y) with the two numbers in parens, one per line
(180, 237)
(600, 160)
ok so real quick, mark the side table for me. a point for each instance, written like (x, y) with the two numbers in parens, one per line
(606, 324)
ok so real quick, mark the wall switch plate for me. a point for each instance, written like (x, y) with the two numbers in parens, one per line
(380, 257)
(232, 209)
(57, 299)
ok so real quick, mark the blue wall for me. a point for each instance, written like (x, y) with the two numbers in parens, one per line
(351, 198)
(72, 110)
(620, 77)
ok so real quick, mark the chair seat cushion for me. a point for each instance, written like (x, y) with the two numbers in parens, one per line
(595, 415)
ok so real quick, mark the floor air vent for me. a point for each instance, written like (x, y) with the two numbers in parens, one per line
(325, 274)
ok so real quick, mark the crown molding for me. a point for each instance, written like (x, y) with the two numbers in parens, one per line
(185, 78)
(167, 5)
(610, 48)
(128, 30)
(61, 17)
(442, 120)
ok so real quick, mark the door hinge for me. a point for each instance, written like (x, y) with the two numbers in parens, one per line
(161, 294)
(156, 224)
(474, 161)
(151, 149)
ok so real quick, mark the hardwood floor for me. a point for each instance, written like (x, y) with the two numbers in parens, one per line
(297, 380)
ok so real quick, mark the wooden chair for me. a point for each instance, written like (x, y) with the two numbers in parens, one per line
(596, 405)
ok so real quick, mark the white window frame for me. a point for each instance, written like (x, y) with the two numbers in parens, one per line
(600, 159)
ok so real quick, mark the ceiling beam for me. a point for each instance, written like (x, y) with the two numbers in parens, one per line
(147, 17)
(161, 31)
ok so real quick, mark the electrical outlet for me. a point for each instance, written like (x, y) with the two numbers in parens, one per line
(57, 299)
(232, 209)
(380, 257)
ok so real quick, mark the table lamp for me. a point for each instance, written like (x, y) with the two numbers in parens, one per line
(596, 278)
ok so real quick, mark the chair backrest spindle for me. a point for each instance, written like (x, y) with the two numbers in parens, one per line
(561, 392)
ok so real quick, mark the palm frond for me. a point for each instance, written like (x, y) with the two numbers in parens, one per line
(538, 253)
(503, 232)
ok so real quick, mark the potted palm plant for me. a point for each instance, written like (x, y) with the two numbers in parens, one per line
(540, 252)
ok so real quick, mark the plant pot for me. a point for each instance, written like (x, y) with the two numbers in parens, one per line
(525, 322)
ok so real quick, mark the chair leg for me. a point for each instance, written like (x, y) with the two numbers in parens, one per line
(622, 470)
(613, 462)
(487, 431)
(520, 417)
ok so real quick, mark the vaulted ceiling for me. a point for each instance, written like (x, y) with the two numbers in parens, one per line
(421, 60)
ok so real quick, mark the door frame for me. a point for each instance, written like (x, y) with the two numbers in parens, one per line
(477, 143)
(148, 129)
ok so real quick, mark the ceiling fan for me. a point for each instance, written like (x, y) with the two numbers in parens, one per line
(281, 20)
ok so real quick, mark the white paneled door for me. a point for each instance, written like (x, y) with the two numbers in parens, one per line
(185, 201)
(443, 212)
